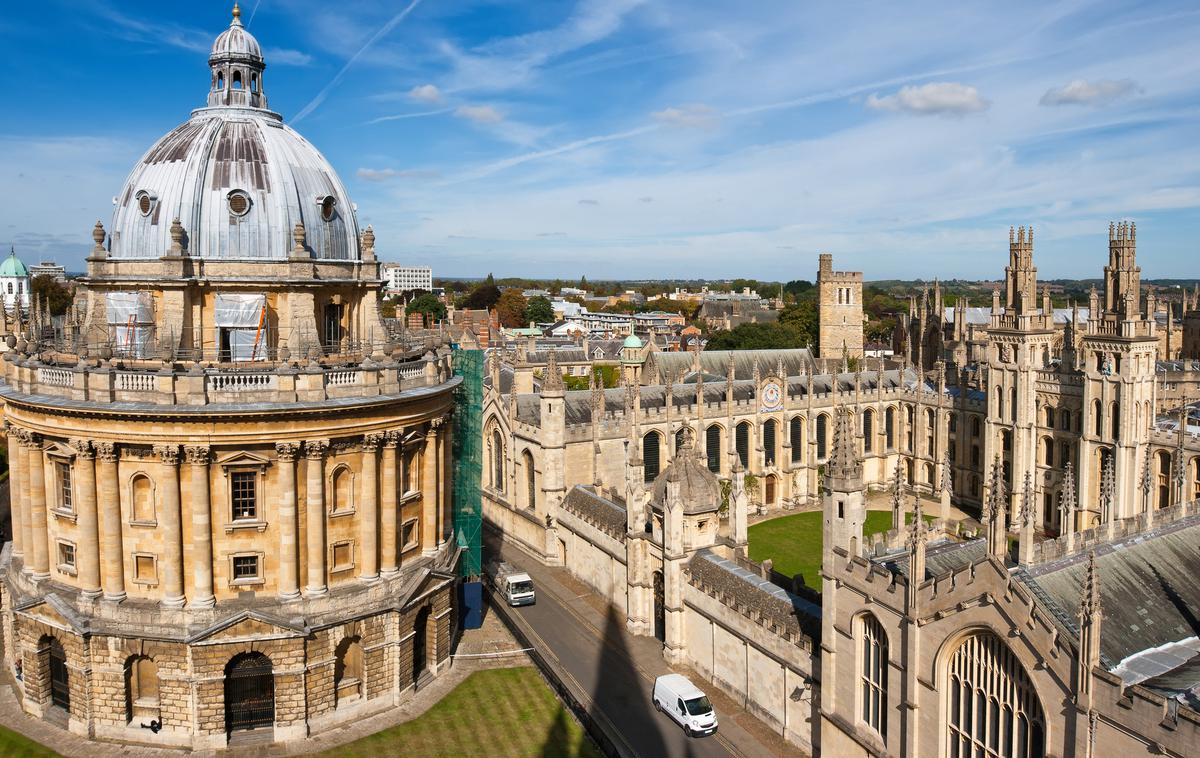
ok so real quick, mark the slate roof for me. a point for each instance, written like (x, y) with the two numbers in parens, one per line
(941, 557)
(716, 362)
(744, 590)
(600, 512)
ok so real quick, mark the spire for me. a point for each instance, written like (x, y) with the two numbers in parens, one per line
(844, 469)
(897, 492)
(1028, 517)
(995, 511)
(1089, 631)
(1067, 505)
(946, 488)
(552, 381)
(918, 536)
(1108, 489)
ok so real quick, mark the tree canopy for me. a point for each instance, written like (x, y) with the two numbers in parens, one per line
(429, 305)
(539, 310)
(55, 294)
(510, 307)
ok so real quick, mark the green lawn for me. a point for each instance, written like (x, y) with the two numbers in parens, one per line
(794, 542)
(497, 712)
(14, 745)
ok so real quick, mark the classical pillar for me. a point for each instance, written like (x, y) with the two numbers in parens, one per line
(108, 495)
(18, 487)
(40, 545)
(201, 507)
(172, 526)
(388, 515)
(429, 489)
(289, 549)
(314, 469)
(368, 512)
(88, 549)
(445, 518)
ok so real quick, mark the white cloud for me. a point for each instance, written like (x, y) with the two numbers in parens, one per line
(426, 93)
(935, 98)
(695, 116)
(480, 114)
(284, 57)
(384, 174)
(1083, 92)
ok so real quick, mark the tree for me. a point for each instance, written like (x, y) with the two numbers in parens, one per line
(55, 294)
(483, 297)
(539, 310)
(429, 306)
(510, 306)
(797, 287)
(758, 336)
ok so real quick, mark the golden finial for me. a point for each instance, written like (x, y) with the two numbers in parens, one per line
(237, 12)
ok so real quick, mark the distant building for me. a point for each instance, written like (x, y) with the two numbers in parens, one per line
(397, 278)
(14, 282)
(48, 268)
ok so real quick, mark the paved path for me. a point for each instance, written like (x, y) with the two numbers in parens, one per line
(589, 641)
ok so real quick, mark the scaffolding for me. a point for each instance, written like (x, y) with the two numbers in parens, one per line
(468, 459)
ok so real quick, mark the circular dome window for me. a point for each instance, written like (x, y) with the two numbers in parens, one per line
(328, 207)
(239, 203)
(145, 202)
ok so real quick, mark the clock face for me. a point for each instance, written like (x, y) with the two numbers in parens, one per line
(772, 396)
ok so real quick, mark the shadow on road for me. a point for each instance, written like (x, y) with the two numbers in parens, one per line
(620, 689)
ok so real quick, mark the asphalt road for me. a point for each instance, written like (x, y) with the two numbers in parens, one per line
(606, 672)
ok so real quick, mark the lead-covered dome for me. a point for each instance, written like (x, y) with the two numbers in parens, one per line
(237, 178)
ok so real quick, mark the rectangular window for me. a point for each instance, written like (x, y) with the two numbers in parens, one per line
(65, 500)
(66, 555)
(243, 495)
(408, 535)
(245, 567)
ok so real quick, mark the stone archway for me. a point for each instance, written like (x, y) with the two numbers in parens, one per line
(249, 692)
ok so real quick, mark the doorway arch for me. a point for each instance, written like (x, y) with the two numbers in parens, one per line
(249, 692)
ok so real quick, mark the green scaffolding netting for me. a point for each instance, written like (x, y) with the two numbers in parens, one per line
(468, 458)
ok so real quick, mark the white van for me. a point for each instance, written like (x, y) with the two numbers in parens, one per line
(679, 699)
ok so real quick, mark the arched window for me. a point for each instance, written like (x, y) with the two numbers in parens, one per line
(142, 489)
(929, 473)
(796, 433)
(1012, 403)
(712, 448)
(1164, 478)
(1097, 421)
(237, 79)
(1006, 440)
(873, 668)
(530, 479)
(909, 472)
(650, 458)
(742, 443)
(10, 289)
(889, 428)
(999, 395)
(768, 433)
(1114, 419)
(993, 708)
(1065, 419)
(1064, 453)
(868, 429)
(1049, 417)
(822, 443)
(342, 490)
(910, 415)
(1047, 451)
(975, 456)
(141, 689)
(975, 426)
(254, 82)
(497, 461)
(348, 670)
(221, 80)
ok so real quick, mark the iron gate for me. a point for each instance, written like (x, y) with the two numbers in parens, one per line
(60, 687)
(249, 692)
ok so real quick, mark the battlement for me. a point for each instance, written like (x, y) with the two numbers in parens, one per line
(825, 272)
(1121, 233)
(1019, 239)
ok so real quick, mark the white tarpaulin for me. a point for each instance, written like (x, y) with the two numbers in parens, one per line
(124, 306)
(240, 319)
(239, 311)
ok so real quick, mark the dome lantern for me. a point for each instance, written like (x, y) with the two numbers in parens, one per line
(237, 67)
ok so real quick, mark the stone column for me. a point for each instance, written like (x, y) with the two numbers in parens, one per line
(108, 495)
(368, 511)
(18, 488)
(429, 489)
(88, 549)
(172, 526)
(445, 524)
(39, 546)
(388, 514)
(289, 549)
(201, 507)
(314, 469)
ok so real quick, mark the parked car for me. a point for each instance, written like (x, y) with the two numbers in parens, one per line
(516, 586)
(677, 697)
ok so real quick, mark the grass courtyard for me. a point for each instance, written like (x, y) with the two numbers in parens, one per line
(497, 712)
(794, 542)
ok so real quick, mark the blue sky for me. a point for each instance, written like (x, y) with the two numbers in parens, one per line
(652, 138)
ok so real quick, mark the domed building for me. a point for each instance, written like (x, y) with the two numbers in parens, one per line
(14, 285)
(231, 502)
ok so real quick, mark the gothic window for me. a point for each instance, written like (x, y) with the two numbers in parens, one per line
(975, 455)
(1047, 451)
(889, 428)
(1097, 421)
(1164, 479)
(868, 429)
(873, 668)
(909, 477)
(974, 486)
(141, 688)
(712, 448)
(1065, 418)
(530, 479)
(1114, 418)
(769, 443)
(1012, 403)
(1049, 417)
(1064, 453)
(822, 423)
(797, 438)
(953, 423)
(742, 443)
(910, 415)
(993, 708)
(999, 393)
(929, 473)
(650, 456)
(497, 461)
(1006, 440)
(975, 426)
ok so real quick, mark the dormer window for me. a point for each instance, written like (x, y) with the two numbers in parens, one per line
(145, 202)
(328, 207)
(239, 203)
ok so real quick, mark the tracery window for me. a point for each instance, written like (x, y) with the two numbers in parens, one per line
(889, 428)
(769, 443)
(796, 435)
(993, 710)
(822, 423)
(650, 456)
(872, 680)
(712, 448)
(741, 443)
(497, 461)
(868, 430)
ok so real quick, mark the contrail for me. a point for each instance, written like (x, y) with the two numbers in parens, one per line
(320, 98)
(251, 21)
(401, 116)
